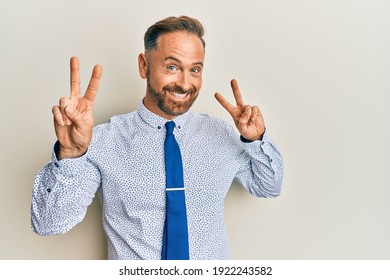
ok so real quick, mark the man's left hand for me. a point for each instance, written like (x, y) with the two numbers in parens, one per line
(248, 119)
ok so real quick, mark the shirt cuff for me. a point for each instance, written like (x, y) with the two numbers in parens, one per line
(265, 145)
(67, 166)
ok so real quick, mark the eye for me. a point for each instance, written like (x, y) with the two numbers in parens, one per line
(195, 70)
(172, 68)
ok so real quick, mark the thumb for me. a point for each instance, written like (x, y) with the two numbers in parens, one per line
(74, 115)
(245, 116)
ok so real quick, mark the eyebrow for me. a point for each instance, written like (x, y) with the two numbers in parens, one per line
(179, 61)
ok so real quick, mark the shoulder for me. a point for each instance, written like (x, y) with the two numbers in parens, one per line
(116, 121)
(206, 118)
(116, 125)
(212, 124)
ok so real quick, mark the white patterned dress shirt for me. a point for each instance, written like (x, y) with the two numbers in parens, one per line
(124, 165)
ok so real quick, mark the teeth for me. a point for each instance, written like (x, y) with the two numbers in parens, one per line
(180, 96)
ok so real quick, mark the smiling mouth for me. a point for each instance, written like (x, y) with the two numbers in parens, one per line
(178, 95)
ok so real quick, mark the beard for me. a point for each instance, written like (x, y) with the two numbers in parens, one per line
(169, 106)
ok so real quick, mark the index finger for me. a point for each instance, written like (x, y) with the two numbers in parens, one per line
(237, 93)
(225, 104)
(74, 77)
(93, 85)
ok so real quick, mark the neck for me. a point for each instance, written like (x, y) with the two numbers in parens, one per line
(152, 107)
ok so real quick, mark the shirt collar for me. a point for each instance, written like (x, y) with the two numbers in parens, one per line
(157, 122)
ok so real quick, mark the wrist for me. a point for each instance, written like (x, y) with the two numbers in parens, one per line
(62, 152)
(250, 140)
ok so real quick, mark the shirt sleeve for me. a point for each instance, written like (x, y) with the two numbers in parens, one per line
(61, 194)
(261, 171)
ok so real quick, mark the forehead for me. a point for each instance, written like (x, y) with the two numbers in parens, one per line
(181, 44)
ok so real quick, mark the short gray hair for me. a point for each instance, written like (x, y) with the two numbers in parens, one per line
(172, 24)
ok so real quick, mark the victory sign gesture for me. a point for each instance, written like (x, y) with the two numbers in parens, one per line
(248, 119)
(73, 117)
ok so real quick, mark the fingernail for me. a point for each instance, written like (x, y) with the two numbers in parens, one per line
(69, 109)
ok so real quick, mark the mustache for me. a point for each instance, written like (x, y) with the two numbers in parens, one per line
(179, 90)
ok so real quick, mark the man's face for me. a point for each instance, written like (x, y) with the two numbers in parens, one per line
(174, 74)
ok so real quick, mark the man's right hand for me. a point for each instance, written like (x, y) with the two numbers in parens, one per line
(73, 117)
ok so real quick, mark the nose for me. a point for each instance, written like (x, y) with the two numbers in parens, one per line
(184, 81)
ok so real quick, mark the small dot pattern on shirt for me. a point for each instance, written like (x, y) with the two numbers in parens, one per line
(125, 166)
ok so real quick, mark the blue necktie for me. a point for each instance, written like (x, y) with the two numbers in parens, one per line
(175, 238)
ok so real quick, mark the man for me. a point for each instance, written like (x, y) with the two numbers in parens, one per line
(124, 159)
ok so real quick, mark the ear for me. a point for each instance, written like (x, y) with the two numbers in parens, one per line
(142, 65)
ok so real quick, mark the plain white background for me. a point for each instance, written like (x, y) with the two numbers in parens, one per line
(319, 70)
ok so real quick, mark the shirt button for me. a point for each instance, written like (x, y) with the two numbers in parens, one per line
(179, 127)
(159, 127)
(56, 164)
(48, 190)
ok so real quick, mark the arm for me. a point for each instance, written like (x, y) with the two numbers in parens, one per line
(64, 188)
(262, 166)
(62, 192)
